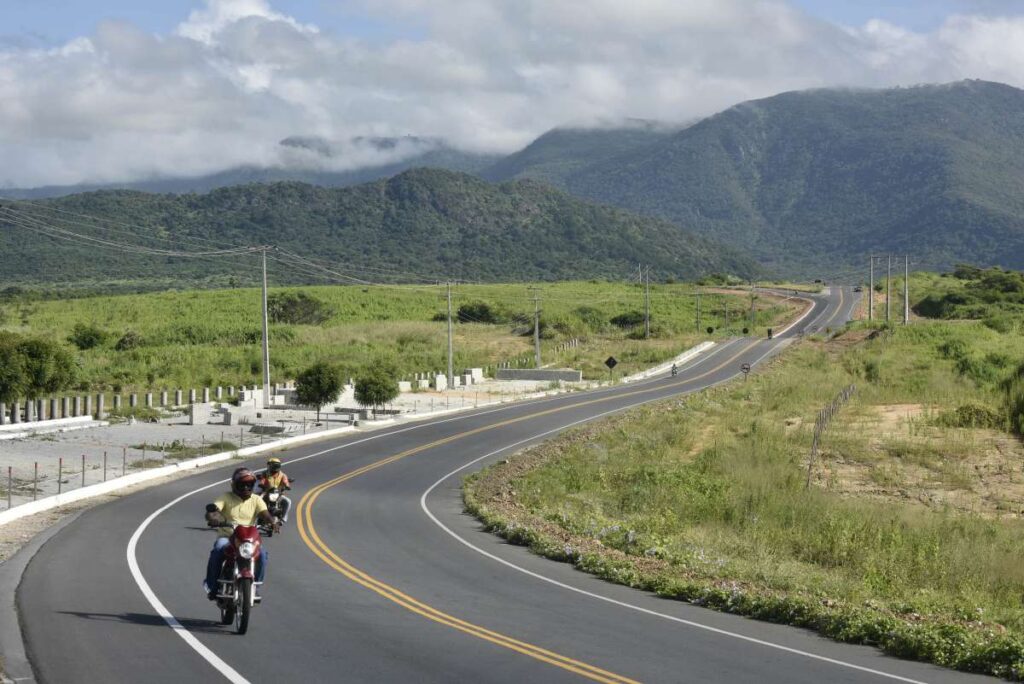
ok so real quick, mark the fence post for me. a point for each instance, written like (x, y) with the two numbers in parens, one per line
(104, 466)
(202, 449)
(10, 480)
(60, 472)
(35, 480)
(83, 470)
(124, 460)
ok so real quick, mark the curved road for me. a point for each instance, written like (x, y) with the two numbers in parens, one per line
(381, 578)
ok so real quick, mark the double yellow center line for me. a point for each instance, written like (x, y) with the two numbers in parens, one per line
(307, 530)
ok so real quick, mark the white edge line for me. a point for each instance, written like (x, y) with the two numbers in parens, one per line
(690, 623)
(206, 653)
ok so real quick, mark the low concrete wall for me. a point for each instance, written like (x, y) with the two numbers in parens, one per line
(540, 374)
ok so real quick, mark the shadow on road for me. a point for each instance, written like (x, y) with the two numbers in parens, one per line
(150, 620)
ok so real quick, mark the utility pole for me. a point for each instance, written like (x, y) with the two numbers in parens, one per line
(266, 335)
(888, 290)
(906, 289)
(696, 295)
(871, 289)
(451, 371)
(536, 327)
(647, 305)
(751, 306)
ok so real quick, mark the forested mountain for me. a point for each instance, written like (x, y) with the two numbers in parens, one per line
(440, 223)
(560, 153)
(813, 181)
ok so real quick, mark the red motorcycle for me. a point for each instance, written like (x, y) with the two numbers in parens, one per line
(236, 587)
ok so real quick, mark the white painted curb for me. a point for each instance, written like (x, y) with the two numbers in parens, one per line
(682, 358)
(41, 427)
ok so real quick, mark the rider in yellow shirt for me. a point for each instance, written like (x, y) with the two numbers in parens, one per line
(237, 507)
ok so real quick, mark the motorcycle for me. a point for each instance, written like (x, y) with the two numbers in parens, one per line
(236, 593)
(275, 506)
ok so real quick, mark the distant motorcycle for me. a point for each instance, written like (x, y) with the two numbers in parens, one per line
(275, 505)
(675, 370)
(236, 586)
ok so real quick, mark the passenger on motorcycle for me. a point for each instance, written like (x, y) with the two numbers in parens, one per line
(237, 507)
(273, 477)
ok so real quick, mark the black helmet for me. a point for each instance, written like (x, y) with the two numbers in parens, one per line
(243, 482)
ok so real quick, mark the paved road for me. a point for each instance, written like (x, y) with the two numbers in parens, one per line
(385, 580)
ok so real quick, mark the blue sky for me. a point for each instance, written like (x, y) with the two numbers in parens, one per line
(51, 22)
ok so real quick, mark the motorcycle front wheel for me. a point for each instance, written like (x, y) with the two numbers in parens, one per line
(244, 605)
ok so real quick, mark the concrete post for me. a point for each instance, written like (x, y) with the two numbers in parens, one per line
(206, 395)
(149, 400)
(133, 399)
(177, 397)
(231, 390)
(54, 408)
(101, 410)
(77, 404)
(219, 393)
(192, 396)
(65, 408)
(88, 405)
(163, 398)
(3, 413)
(16, 413)
(30, 410)
(41, 409)
(117, 402)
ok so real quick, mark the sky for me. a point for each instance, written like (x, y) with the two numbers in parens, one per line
(118, 90)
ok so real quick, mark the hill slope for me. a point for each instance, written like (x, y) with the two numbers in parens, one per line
(440, 223)
(818, 179)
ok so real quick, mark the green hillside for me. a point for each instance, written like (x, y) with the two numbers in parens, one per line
(558, 154)
(812, 181)
(438, 223)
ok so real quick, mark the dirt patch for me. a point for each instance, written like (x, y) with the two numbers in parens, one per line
(909, 459)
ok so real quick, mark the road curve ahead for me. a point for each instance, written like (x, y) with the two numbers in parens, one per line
(381, 578)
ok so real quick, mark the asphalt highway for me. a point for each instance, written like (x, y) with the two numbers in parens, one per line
(380, 577)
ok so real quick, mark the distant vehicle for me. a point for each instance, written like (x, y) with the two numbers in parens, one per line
(818, 281)
(858, 288)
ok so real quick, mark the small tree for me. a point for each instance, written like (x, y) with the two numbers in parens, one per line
(377, 385)
(318, 385)
(13, 378)
(85, 336)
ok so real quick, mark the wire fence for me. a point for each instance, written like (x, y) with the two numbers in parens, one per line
(821, 424)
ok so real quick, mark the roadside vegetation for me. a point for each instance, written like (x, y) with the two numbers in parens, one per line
(212, 337)
(908, 537)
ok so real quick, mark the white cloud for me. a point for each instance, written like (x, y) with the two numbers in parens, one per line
(238, 76)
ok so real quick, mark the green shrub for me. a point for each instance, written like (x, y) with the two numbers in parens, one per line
(85, 336)
(297, 308)
(629, 319)
(972, 415)
(130, 340)
(479, 312)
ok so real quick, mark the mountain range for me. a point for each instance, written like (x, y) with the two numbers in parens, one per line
(422, 222)
(808, 183)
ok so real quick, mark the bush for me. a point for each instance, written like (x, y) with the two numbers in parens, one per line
(972, 415)
(130, 340)
(478, 312)
(297, 308)
(86, 336)
(630, 319)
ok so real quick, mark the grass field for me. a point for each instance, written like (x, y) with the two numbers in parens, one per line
(212, 337)
(909, 537)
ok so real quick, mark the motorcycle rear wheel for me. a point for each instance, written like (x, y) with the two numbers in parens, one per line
(244, 605)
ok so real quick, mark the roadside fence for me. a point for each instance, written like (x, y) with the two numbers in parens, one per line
(824, 419)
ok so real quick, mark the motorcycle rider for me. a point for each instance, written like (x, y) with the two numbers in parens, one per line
(273, 477)
(236, 507)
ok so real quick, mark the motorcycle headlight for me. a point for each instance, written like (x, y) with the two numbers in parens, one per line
(274, 496)
(247, 550)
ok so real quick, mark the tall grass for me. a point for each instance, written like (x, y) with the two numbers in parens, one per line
(212, 337)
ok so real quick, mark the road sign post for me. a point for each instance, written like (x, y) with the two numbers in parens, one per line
(745, 369)
(611, 363)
